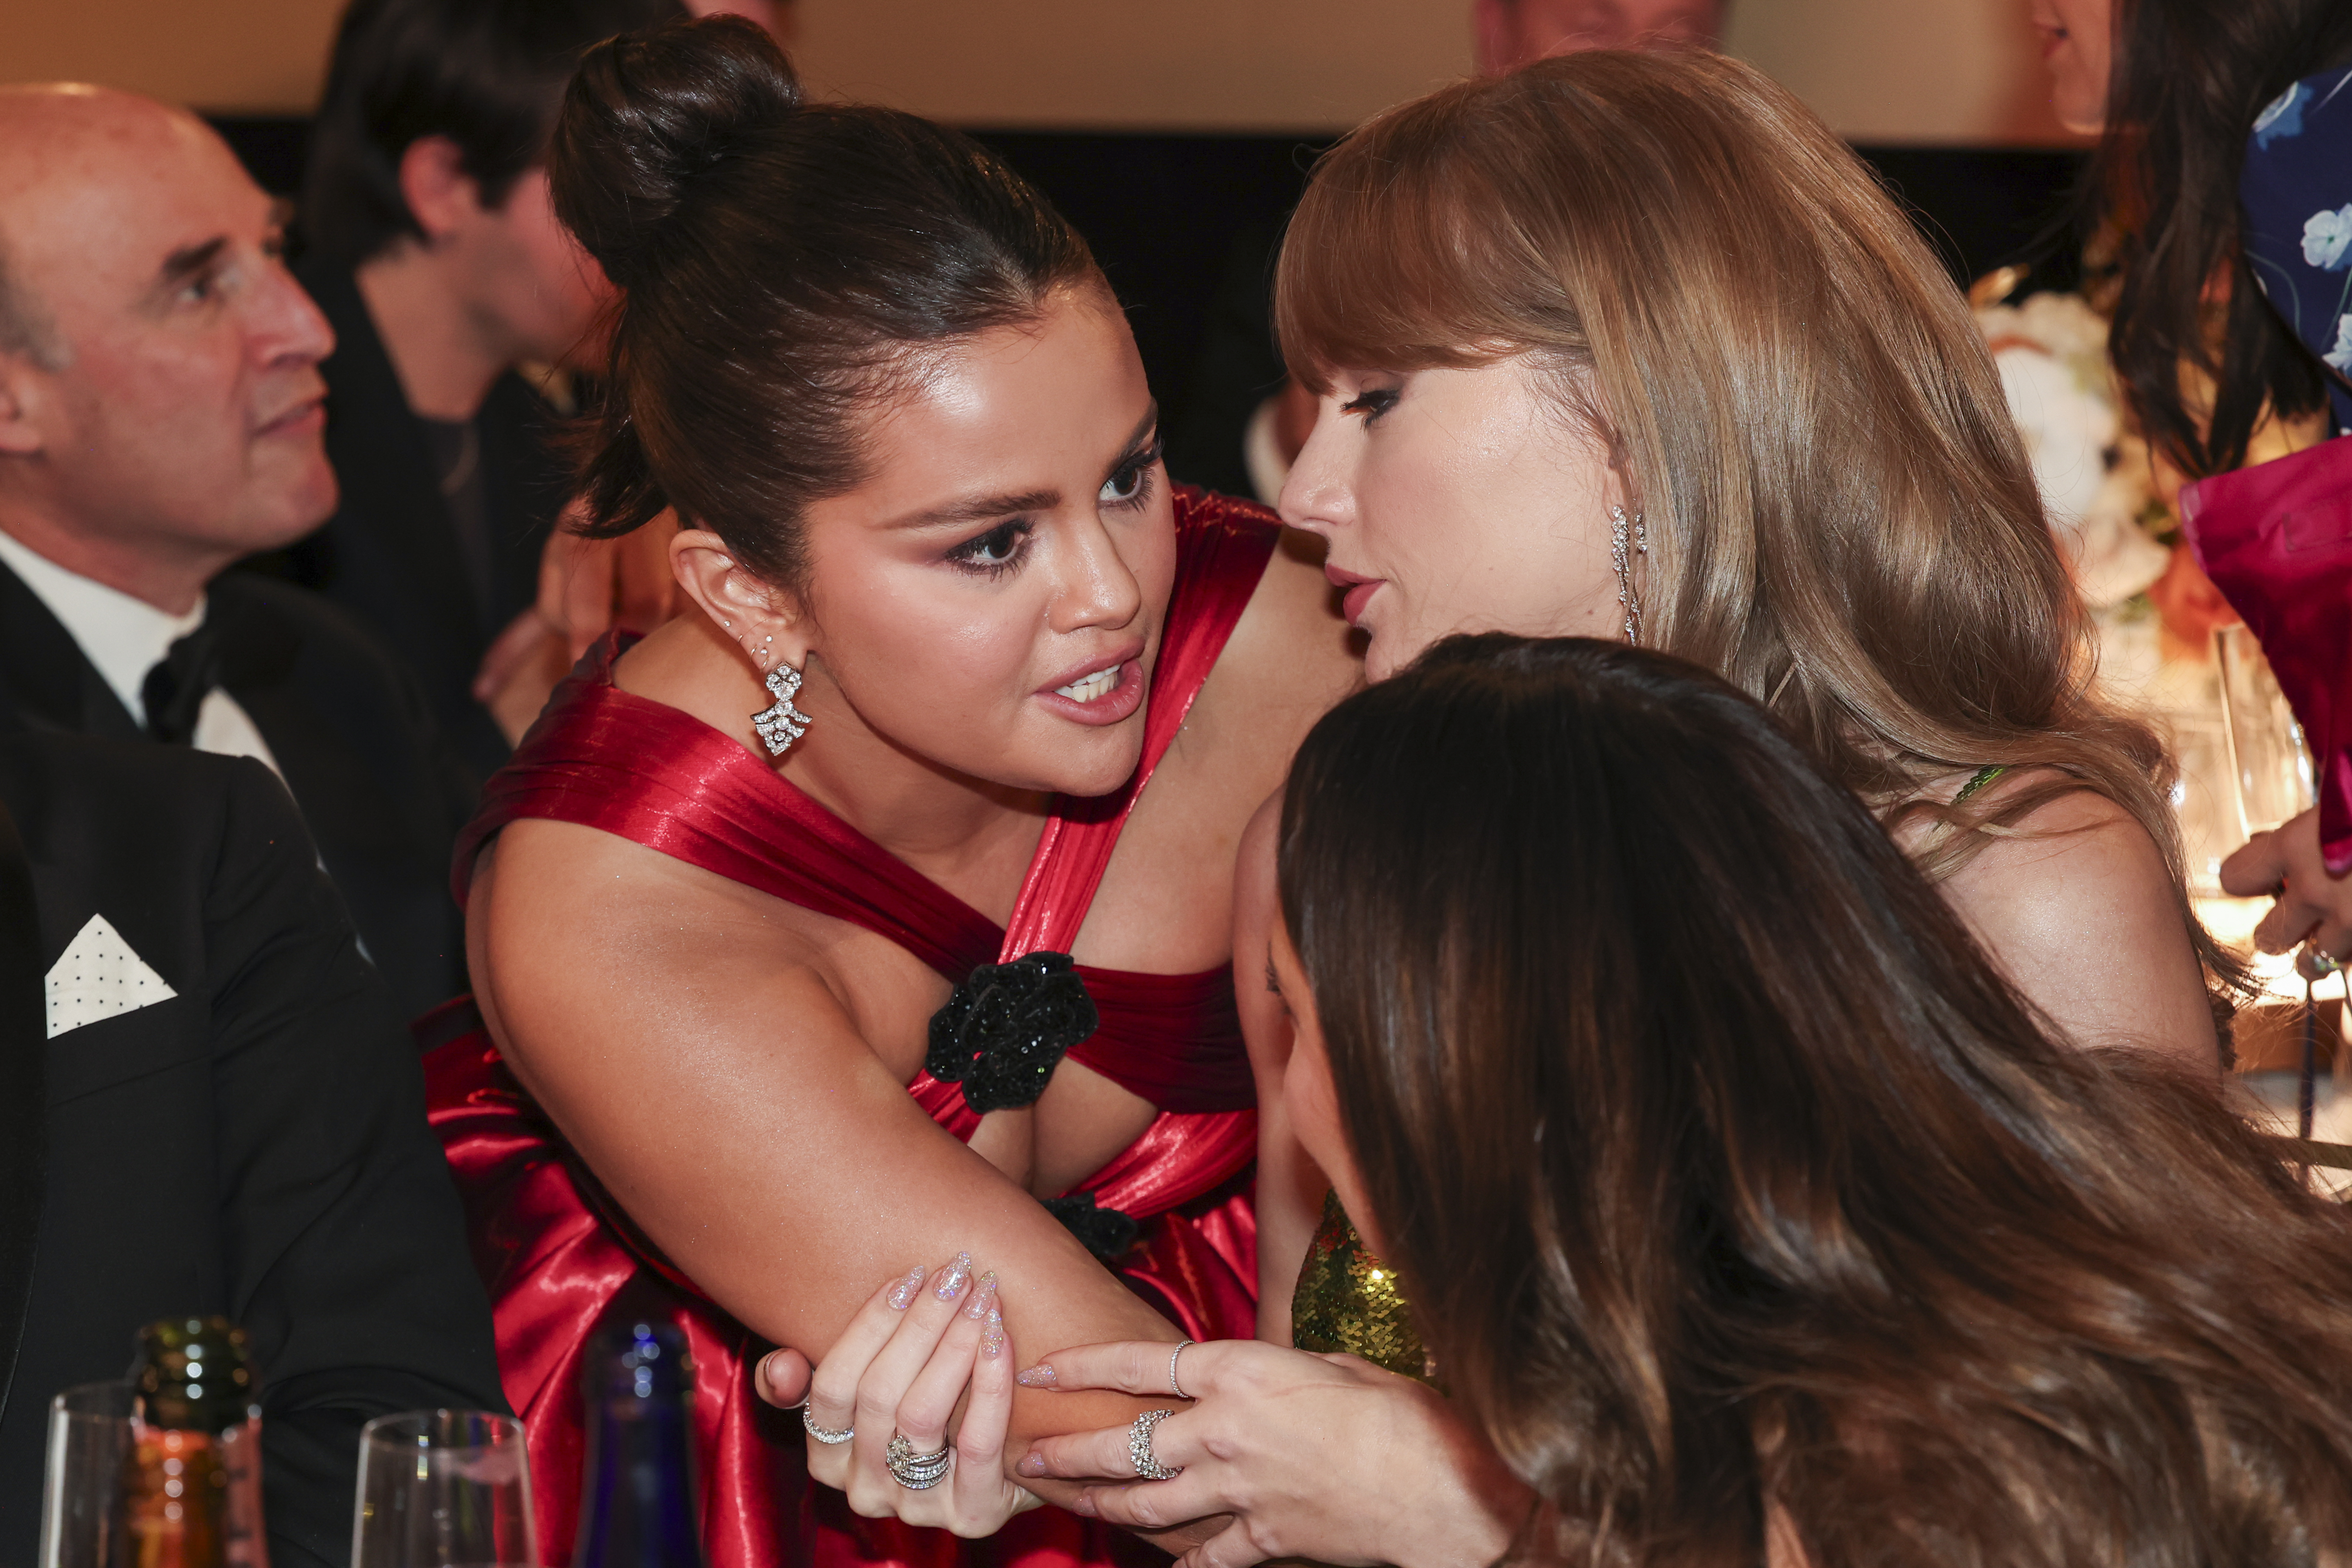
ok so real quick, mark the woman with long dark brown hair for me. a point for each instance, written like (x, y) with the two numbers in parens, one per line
(876, 912)
(1770, 1225)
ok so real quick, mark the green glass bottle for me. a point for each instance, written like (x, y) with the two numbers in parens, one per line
(192, 1481)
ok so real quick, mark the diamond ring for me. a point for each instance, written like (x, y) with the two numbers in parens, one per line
(821, 1433)
(916, 1472)
(1139, 1449)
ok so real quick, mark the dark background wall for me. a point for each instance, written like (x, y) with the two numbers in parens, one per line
(1185, 226)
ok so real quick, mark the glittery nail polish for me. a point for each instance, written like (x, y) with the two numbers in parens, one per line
(984, 1296)
(992, 1338)
(1039, 1376)
(953, 1279)
(902, 1294)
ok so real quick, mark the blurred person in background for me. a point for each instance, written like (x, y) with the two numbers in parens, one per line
(212, 1108)
(160, 418)
(459, 306)
(2225, 169)
(1508, 34)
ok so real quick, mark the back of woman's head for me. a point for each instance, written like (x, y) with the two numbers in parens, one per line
(784, 265)
(1840, 513)
(1726, 1176)
(2187, 79)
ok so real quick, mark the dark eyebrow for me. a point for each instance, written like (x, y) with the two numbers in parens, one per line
(190, 260)
(980, 508)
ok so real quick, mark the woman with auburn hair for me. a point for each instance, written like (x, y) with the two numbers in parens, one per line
(1631, 345)
(1771, 1225)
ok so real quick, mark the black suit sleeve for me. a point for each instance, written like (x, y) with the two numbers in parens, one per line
(346, 1254)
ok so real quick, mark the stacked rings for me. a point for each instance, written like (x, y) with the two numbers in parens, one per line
(1139, 1449)
(916, 1472)
(820, 1434)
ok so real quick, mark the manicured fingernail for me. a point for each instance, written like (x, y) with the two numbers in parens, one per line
(1083, 1505)
(992, 1338)
(902, 1294)
(1038, 1376)
(1032, 1465)
(982, 1298)
(954, 1276)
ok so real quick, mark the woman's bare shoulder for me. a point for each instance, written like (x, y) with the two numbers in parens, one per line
(1290, 654)
(2076, 904)
(572, 931)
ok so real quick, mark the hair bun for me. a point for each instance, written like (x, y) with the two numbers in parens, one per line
(646, 116)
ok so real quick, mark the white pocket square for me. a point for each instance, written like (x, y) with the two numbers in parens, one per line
(97, 977)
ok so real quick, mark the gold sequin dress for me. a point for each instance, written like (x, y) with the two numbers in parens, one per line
(1349, 1300)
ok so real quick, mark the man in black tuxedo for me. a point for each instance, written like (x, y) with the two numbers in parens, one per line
(160, 417)
(433, 248)
(210, 1107)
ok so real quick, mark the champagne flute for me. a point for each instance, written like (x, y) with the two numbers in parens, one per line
(91, 1437)
(444, 1488)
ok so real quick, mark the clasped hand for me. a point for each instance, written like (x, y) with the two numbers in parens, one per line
(1326, 1456)
(919, 1347)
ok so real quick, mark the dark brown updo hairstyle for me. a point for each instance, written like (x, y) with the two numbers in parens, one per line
(1733, 1187)
(777, 258)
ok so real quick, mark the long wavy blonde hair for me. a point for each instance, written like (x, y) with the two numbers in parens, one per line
(1840, 513)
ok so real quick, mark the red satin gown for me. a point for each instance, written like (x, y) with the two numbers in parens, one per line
(556, 1250)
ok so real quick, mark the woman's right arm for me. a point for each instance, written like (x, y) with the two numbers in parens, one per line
(697, 1053)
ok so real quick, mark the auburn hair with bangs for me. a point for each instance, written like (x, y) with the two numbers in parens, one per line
(1840, 517)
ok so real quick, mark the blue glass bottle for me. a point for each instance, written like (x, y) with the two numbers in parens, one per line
(637, 1495)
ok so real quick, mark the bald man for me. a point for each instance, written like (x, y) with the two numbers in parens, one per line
(160, 416)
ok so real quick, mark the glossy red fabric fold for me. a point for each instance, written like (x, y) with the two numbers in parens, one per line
(2276, 539)
(557, 1252)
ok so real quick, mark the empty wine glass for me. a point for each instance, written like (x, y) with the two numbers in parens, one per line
(2270, 765)
(444, 1488)
(82, 1489)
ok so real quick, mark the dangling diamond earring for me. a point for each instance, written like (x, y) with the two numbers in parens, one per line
(1628, 537)
(782, 724)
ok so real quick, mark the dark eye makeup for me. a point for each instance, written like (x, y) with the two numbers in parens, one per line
(1373, 402)
(1129, 484)
(997, 551)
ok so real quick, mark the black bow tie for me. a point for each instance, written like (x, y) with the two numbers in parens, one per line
(174, 690)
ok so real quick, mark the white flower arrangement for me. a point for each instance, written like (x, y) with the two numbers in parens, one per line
(2097, 486)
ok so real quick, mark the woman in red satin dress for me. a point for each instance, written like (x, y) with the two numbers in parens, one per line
(948, 621)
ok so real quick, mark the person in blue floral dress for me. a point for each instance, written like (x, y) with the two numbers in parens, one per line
(2296, 195)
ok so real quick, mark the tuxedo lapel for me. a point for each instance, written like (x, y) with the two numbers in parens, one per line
(45, 681)
(24, 1097)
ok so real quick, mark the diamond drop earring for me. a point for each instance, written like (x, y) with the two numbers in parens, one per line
(780, 724)
(1628, 538)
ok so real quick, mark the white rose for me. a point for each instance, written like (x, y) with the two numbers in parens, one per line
(2326, 236)
(2340, 356)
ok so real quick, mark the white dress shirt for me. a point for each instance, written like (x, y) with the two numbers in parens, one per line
(124, 638)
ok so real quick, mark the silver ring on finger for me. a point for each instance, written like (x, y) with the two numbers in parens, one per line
(1139, 1449)
(808, 1423)
(916, 1472)
(1172, 1386)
